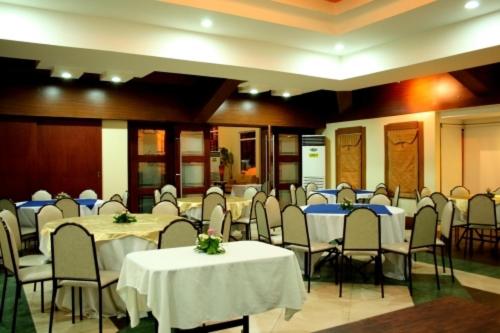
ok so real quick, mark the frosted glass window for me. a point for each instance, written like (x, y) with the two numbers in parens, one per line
(151, 174)
(146, 204)
(193, 175)
(289, 172)
(288, 144)
(151, 142)
(192, 143)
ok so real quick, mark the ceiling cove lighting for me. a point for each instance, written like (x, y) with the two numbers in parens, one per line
(286, 94)
(116, 79)
(254, 91)
(339, 47)
(471, 4)
(66, 75)
(207, 23)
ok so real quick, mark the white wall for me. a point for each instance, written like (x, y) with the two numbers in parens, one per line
(375, 150)
(451, 157)
(114, 157)
(481, 157)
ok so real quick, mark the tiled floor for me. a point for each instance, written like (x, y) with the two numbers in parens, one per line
(323, 308)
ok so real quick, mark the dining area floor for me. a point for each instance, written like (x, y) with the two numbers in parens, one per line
(477, 280)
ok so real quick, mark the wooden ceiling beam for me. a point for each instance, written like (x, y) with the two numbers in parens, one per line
(470, 81)
(225, 89)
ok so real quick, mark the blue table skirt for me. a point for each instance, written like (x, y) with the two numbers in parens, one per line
(336, 209)
(82, 202)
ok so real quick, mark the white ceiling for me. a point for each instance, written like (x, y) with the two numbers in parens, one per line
(272, 44)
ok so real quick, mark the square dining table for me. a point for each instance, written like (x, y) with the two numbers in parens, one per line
(184, 288)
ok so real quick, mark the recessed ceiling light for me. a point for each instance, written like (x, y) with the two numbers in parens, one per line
(206, 23)
(254, 91)
(116, 79)
(66, 75)
(471, 4)
(339, 47)
(286, 94)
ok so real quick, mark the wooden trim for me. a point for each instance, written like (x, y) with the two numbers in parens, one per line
(351, 130)
(420, 133)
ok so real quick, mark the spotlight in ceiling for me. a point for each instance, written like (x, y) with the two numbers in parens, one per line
(339, 47)
(66, 75)
(116, 79)
(286, 94)
(254, 91)
(471, 4)
(207, 23)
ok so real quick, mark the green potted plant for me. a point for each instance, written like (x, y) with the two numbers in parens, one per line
(226, 160)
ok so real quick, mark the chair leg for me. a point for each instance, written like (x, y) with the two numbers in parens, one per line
(341, 274)
(52, 304)
(306, 271)
(81, 302)
(41, 297)
(436, 267)
(16, 302)
(442, 259)
(4, 289)
(381, 272)
(410, 282)
(100, 309)
(247, 231)
(72, 305)
(451, 263)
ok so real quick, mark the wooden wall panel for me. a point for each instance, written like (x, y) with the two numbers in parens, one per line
(350, 156)
(69, 156)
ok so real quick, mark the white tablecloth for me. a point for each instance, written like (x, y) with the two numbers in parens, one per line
(238, 190)
(191, 206)
(326, 227)
(332, 198)
(184, 288)
(27, 214)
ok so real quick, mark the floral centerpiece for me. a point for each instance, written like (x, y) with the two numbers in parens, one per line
(489, 193)
(209, 243)
(124, 217)
(347, 205)
(62, 195)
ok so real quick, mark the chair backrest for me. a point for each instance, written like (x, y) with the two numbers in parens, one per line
(116, 197)
(165, 208)
(41, 195)
(10, 252)
(380, 190)
(47, 213)
(346, 194)
(417, 195)
(88, 194)
(300, 196)
(380, 199)
(180, 232)
(13, 224)
(272, 193)
(293, 196)
(317, 199)
(425, 201)
(249, 193)
(447, 216)
(74, 253)
(343, 185)
(209, 202)
(481, 210)
(295, 226)
(68, 206)
(167, 196)
(459, 192)
(216, 220)
(424, 228)
(395, 198)
(361, 230)
(157, 196)
(266, 186)
(258, 197)
(497, 191)
(9, 205)
(111, 207)
(311, 187)
(215, 189)
(263, 232)
(439, 200)
(379, 185)
(226, 226)
(170, 189)
(425, 192)
(273, 212)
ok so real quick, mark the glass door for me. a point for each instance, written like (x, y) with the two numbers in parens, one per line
(148, 165)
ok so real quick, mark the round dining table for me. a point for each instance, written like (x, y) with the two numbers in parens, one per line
(113, 242)
(462, 204)
(191, 206)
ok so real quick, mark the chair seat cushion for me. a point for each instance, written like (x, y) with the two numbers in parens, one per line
(315, 247)
(107, 277)
(439, 242)
(33, 260)
(244, 220)
(481, 226)
(276, 239)
(35, 273)
(27, 231)
(402, 248)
